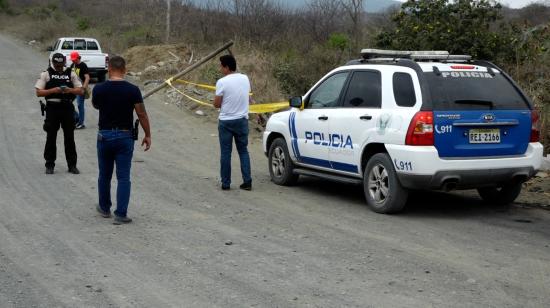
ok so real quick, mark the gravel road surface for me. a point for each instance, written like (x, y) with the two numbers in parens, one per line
(193, 245)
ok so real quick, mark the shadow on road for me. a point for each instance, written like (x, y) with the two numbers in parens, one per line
(436, 204)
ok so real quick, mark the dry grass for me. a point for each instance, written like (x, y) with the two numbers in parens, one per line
(255, 64)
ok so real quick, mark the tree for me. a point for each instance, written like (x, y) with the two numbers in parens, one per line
(459, 26)
(354, 8)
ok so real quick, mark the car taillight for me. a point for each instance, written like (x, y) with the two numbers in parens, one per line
(106, 61)
(535, 126)
(421, 129)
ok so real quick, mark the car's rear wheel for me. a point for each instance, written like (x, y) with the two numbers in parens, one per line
(383, 191)
(281, 168)
(502, 195)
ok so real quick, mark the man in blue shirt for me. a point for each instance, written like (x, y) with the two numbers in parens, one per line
(116, 101)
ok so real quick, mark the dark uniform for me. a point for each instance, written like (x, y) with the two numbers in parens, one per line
(59, 112)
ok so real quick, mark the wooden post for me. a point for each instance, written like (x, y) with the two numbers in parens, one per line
(191, 68)
(168, 5)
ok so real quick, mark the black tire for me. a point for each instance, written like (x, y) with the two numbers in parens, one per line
(101, 77)
(383, 191)
(281, 168)
(499, 196)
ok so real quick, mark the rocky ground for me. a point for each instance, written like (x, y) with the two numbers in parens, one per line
(192, 245)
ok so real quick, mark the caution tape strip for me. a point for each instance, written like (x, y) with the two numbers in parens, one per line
(201, 85)
(254, 108)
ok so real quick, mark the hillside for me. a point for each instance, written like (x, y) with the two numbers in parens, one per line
(371, 6)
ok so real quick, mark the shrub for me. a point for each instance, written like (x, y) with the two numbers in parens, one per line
(82, 24)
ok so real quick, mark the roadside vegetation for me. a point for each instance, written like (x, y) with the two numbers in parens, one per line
(286, 50)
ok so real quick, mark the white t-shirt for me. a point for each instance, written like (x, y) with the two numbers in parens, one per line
(234, 88)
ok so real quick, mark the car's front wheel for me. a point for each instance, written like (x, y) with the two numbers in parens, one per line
(383, 191)
(281, 168)
(502, 195)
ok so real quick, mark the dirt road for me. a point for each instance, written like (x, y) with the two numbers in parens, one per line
(192, 245)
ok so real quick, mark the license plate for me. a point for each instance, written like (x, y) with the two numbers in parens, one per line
(484, 135)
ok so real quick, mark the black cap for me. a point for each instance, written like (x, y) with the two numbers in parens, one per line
(58, 58)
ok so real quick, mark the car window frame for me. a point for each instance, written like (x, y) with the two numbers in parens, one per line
(92, 42)
(347, 85)
(80, 40)
(340, 96)
(394, 88)
(67, 42)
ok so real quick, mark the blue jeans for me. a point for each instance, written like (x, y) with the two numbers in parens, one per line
(81, 112)
(114, 146)
(238, 129)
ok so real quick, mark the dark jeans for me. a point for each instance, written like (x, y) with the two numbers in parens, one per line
(238, 129)
(59, 115)
(114, 147)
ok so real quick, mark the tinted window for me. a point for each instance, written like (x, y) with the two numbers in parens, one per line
(473, 90)
(91, 45)
(67, 45)
(364, 91)
(326, 95)
(56, 45)
(79, 44)
(403, 90)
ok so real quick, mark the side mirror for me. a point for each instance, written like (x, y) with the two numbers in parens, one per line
(296, 102)
(50, 48)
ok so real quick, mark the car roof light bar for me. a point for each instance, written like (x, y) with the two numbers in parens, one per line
(414, 55)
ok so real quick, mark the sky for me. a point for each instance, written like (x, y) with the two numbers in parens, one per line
(515, 4)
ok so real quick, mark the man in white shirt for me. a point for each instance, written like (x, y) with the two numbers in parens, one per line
(232, 96)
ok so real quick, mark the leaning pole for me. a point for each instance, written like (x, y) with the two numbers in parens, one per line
(191, 68)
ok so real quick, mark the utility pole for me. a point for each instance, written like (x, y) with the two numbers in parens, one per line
(168, 6)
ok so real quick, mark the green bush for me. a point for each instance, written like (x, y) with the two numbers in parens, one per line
(82, 24)
(461, 27)
(297, 71)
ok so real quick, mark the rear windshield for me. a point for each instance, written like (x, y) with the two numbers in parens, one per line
(473, 90)
(91, 45)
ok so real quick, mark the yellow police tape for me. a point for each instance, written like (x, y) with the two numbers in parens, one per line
(254, 108)
(200, 85)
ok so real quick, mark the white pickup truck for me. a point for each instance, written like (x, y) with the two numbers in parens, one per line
(90, 53)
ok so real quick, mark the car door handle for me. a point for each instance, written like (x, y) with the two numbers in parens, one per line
(323, 118)
(365, 117)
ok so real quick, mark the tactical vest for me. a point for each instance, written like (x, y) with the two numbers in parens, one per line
(60, 79)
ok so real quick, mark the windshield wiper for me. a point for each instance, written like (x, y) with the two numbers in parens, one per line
(474, 102)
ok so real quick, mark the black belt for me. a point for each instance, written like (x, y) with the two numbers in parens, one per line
(115, 128)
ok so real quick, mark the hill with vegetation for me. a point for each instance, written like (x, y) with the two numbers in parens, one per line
(287, 50)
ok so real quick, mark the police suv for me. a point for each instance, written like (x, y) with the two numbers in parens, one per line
(400, 120)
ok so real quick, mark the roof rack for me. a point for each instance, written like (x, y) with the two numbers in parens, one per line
(420, 55)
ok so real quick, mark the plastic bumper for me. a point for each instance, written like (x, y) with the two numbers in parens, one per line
(426, 170)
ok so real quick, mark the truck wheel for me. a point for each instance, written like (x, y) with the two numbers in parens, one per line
(503, 195)
(280, 165)
(383, 191)
(101, 77)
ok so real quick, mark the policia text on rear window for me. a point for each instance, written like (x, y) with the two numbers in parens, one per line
(473, 91)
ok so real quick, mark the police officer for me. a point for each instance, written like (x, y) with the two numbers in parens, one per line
(59, 85)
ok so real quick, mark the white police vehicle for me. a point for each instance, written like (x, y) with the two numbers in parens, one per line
(401, 120)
